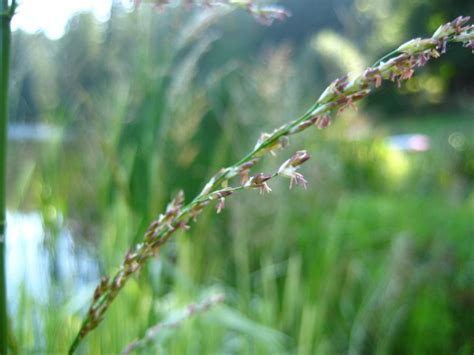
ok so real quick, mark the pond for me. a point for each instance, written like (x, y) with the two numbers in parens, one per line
(36, 262)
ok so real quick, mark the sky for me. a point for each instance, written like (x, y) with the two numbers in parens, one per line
(51, 16)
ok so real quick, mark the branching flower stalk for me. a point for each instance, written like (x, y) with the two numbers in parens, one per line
(339, 95)
(190, 311)
(264, 14)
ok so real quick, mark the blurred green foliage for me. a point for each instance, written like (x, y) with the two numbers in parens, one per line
(376, 257)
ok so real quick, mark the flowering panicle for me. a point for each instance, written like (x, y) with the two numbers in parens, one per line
(340, 94)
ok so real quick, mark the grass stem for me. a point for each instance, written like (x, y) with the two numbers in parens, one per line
(5, 35)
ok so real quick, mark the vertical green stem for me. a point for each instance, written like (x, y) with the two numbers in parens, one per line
(5, 33)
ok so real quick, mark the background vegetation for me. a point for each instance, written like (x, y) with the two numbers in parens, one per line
(375, 257)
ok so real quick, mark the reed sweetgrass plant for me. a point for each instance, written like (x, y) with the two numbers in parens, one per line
(343, 93)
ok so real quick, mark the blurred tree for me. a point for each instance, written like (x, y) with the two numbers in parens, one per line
(34, 84)
(81, 62)
(91, 57)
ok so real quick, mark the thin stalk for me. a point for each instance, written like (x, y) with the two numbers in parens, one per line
(190, 311)
(5, 35)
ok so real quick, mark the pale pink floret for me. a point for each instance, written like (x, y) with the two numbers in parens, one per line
(289, 169)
